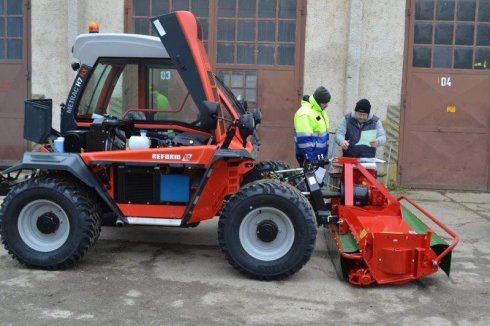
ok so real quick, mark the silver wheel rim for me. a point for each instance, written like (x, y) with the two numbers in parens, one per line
(266, 251)
(30, 233)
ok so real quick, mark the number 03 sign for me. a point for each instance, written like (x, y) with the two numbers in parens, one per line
(445, 81)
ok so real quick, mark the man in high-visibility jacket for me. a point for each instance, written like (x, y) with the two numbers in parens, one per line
(311, 126)
(159, 100)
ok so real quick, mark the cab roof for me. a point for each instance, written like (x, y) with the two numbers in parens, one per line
(90, 47)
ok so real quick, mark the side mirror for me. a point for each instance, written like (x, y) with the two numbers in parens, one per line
(245, 105)
(208, 117)
(246, 126)
(257, 113)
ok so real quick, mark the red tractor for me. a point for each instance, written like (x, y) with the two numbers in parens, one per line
(150, 136)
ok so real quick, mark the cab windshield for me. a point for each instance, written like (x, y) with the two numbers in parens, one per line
(141, 90)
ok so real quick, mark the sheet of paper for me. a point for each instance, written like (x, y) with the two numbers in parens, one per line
(370, 160)
(320, 174)
(367, 136)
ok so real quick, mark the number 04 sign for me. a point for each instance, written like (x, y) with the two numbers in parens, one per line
(445, 81)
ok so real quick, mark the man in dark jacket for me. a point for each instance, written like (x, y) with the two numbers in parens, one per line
(360, 132)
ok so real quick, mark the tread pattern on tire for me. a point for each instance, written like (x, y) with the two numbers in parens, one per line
(262, 167)
(82, 197)
(273, 187)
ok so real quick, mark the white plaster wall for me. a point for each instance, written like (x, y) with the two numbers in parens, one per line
(55, 24)
(50, 52)
(371, 66)
(382, 53)
(326, 51)
(109, 14)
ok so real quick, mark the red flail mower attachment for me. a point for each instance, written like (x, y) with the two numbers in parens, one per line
(377, 238)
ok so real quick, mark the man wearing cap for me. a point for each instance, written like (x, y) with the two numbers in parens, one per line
(349, 134)
(311, 126)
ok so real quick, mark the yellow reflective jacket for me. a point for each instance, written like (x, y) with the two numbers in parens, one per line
(311, 127)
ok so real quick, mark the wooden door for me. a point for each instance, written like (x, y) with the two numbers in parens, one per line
(14, 78)
(257, 49)
(445, 140)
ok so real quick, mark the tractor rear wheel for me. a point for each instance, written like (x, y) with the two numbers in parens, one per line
(267, 230)
(49, 222)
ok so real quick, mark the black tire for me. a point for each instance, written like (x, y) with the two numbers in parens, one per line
(262, 170)
(49, 222)
(267, 230)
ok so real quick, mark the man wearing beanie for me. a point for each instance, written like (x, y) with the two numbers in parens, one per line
(311, 126)
(350, 132)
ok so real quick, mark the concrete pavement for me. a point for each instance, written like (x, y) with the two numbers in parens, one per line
(163, 276)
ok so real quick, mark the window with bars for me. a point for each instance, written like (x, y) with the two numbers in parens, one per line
(452, 34)
(248, 35)
(243, 84)
(144, 9)
(256, 32)
(11, 29)
(249, 32)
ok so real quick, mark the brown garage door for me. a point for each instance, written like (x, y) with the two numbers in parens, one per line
(14, 80)
(257, 48)
(445, 140)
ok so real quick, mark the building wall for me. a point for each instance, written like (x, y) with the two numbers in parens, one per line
(347, 48)
(326, 50)
(383, 40)
(55, 24)
(355, 49)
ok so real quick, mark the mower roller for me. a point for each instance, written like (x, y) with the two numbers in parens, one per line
(373, 237)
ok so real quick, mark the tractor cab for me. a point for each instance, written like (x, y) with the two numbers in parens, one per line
(162, 88)
(132, 78)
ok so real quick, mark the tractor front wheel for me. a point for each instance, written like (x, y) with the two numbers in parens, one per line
(263, 169)
(49, 222)
(267, 230)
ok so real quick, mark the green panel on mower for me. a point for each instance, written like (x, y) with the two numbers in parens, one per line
(437, 243)
(348, 243)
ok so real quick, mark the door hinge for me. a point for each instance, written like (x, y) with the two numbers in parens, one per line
(28, 76)
(409, 12)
